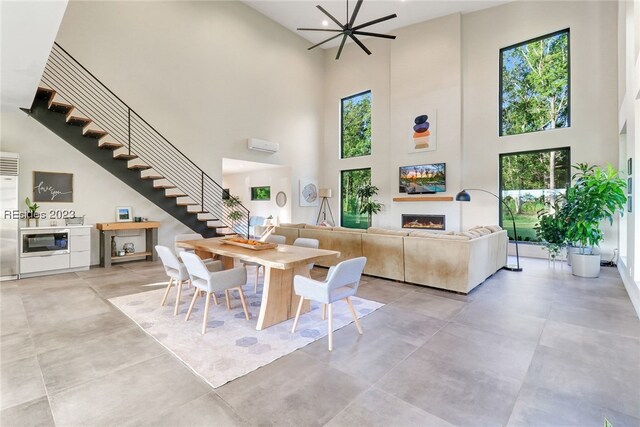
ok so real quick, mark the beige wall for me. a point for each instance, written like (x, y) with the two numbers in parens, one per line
(207, 75)
(451, 64)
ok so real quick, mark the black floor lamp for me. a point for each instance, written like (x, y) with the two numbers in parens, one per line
(325, 194)
(463, 196)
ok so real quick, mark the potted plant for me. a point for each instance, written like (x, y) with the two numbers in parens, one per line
(368, 206)
(597, 194)
(551, 228)
(234, 213)
(33, 212)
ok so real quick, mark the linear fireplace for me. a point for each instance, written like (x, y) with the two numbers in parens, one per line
(426, 222)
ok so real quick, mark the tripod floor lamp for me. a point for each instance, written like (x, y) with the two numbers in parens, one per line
(463, 196)
(325, 194)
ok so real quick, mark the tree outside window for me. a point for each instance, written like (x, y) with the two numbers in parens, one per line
(534, 85)
(527, 181)
(355, 131)
(350, 181)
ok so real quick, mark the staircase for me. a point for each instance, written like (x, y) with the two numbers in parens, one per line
(76, 106)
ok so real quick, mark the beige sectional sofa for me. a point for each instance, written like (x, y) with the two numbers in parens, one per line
(454, 261)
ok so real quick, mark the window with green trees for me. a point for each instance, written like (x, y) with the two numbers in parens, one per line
(534, 85)
(355, 133)
(527, 181)
(350, 181)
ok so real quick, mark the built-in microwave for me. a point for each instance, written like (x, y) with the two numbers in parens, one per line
(44, 242)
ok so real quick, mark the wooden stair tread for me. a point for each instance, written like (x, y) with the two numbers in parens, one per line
(165, 186)
(59, 107)
(109, 144)
(187, 204)
(124, 156)
(94, 133)
(175, 195)
(152, 177)
(139, 167)
(45, 93)
(78, 121)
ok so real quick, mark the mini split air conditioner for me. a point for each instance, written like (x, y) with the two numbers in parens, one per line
(262, 145)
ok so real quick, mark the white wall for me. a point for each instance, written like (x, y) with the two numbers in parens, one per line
(279, 179)
(593, 132)
(96, 193)
(417, 72)
(207, 75)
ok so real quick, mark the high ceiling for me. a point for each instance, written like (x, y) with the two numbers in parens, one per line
(303, 13)
(230, 166)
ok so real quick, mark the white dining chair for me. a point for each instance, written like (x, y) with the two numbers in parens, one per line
(271, 238)
(210, 282)
(307, 243)
(178, 274)
(341, 284)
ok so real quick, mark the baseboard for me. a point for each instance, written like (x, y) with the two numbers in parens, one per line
(630, 286)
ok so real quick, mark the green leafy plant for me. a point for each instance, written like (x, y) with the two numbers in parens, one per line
(234, 214)
(33, 208)
(596, 195)
(368, 206)
(551, 228)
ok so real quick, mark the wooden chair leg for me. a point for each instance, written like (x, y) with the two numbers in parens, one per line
(244, 303)
(295, 321)
(206, 312)
(330, 327)
(226, 294)
(355, 316)
(215, 298)
(175, 311)
(255, 287)
(166, 293)
(324, 311)
(196, 294)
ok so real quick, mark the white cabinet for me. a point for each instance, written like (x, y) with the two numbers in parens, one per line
(77, 254)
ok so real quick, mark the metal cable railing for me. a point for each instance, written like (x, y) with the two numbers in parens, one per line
(77, 85)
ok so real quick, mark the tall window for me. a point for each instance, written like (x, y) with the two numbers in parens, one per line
(355, 132)
(534, 85)
(350, 181)
(527, 181)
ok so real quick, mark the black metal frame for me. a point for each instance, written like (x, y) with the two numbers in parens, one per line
(253, 194)
(501, 181)
(341, 128)
(77, 85)
(513, 46)
(342, 198)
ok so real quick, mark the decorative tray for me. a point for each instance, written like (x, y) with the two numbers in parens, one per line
(248, 244)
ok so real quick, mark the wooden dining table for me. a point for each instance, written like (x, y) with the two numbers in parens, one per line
(281, 264)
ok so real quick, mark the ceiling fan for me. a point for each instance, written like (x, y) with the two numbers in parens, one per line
(349, 30)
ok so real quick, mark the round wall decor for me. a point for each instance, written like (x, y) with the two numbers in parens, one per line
(281, 199)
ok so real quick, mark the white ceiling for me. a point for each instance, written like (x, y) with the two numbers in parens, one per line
(29, 29)
(230, 166)
(303, 13)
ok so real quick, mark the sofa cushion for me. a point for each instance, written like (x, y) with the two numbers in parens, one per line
(482, 230)
(493, 228)
(422, 234)
(289, 225)
(375, 230)
(317, 227)
(469, 234)
(450, 237)
(349, 230)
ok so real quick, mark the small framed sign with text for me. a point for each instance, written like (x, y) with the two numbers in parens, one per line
(52, 187)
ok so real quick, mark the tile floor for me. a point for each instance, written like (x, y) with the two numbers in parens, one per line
(535, 348)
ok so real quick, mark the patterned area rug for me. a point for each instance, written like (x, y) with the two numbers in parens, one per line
(231, 347)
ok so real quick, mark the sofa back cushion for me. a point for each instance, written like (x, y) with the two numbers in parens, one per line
(289, 225)
(349, 230)
(375, 230)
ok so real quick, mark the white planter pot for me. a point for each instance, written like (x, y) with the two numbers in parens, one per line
(585, 265)
(574, 250)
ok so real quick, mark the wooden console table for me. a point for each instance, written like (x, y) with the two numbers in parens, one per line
(108, 230)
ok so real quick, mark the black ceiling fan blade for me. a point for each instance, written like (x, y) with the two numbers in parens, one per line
(355, 13)
(365, 33)
(344, 39)
(359, 43)
(319, 29)
(375, 21)
(330, 16)
(323, 42)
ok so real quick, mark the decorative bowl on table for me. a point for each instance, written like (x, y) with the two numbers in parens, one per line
(255, 245)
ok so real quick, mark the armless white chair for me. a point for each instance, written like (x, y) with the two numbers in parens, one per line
(210, 282)
(177, 273)
(271, 238)
(307, 243)
(182, 238)
(341, 284)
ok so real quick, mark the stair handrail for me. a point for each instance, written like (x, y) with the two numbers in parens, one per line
(52, 64)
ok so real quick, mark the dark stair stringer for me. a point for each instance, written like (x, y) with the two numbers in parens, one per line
(56, 122)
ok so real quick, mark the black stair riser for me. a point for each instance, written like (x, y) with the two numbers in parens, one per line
(104, 157)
